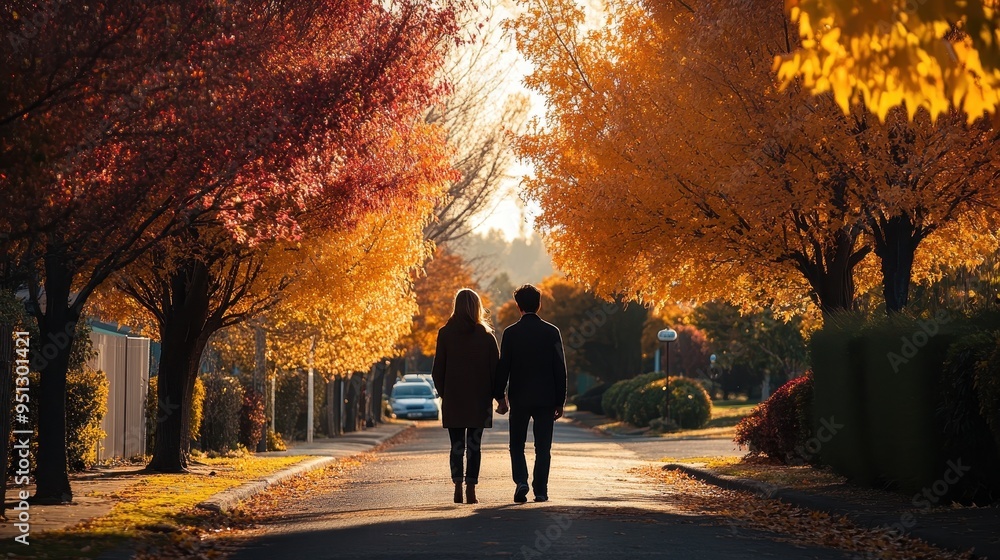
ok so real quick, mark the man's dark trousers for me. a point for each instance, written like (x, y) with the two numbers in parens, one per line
(542, 430)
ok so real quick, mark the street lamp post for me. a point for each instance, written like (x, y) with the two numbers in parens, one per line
(666, 336)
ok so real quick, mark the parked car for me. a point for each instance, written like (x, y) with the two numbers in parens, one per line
(413, 400)
(418, 377)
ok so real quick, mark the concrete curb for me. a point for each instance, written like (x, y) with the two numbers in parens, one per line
(227, 499)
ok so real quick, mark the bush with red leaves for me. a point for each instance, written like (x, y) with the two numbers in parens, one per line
(252, 419)
(780, 426)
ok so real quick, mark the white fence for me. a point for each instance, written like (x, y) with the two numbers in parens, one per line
(125, 360)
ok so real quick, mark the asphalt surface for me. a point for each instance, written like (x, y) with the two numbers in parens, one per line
(400, 507)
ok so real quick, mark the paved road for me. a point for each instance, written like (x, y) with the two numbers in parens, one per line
(400, 507)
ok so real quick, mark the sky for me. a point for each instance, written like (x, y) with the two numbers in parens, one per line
(508, 213)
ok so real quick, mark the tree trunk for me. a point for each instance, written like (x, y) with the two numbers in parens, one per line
(831, 273)
(351, 422)
(51, 358)
(378, 382)
(182, 339)
(260, 373)
(896, 243)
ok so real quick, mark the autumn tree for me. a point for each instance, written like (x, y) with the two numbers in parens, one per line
(678, 170)
(935, 55)
(101, 159)
(203, 281)
(148, 113)
(355, 298)
(443, 276)
(753, 347)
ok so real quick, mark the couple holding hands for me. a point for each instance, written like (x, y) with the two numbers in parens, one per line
(526, 377)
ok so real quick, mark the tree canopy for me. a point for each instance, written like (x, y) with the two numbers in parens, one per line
(932, 54)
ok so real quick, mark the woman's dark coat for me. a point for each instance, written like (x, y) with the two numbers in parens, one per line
(464, 365)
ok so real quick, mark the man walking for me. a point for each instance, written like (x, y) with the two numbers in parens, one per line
(532, 373)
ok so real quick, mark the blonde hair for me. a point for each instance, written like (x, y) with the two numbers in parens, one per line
(469, 310)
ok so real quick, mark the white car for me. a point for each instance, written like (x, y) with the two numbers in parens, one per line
(419, 377)
(415, 400)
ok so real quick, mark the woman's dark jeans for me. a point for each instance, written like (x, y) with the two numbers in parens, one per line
(466, 440)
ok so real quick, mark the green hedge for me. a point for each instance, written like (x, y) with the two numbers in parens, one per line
(914, 397)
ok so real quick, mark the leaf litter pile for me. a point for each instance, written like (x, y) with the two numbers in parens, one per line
(744, 510)
(214, 535)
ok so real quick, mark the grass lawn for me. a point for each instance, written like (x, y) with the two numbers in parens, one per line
(155, 505)
(726, 414)
(722, 424)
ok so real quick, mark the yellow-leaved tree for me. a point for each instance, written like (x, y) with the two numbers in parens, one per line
(934, 54)
(353, 299)
(671, 166)
(435, 287)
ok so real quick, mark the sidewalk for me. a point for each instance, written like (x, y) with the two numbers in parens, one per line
(958, 529)
(94, 491)
(93, 496)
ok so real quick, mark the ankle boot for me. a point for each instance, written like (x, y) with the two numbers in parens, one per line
(458, 492)
(470, 494)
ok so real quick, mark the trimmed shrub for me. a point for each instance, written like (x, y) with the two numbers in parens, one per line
(987, 385)
(780, 426)
(591, 399)
(614, 406)
(86, 405)
(153, 411)
(220, 426)
(610, 398)
(690, 404)
(645, 403)
(252, 419)
(641, 399)
(907, 397)
(274, 441)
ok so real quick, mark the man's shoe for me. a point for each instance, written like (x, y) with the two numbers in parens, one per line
(521, 494)
(541, 498)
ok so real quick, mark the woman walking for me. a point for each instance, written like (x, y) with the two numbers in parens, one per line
(464, 364)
